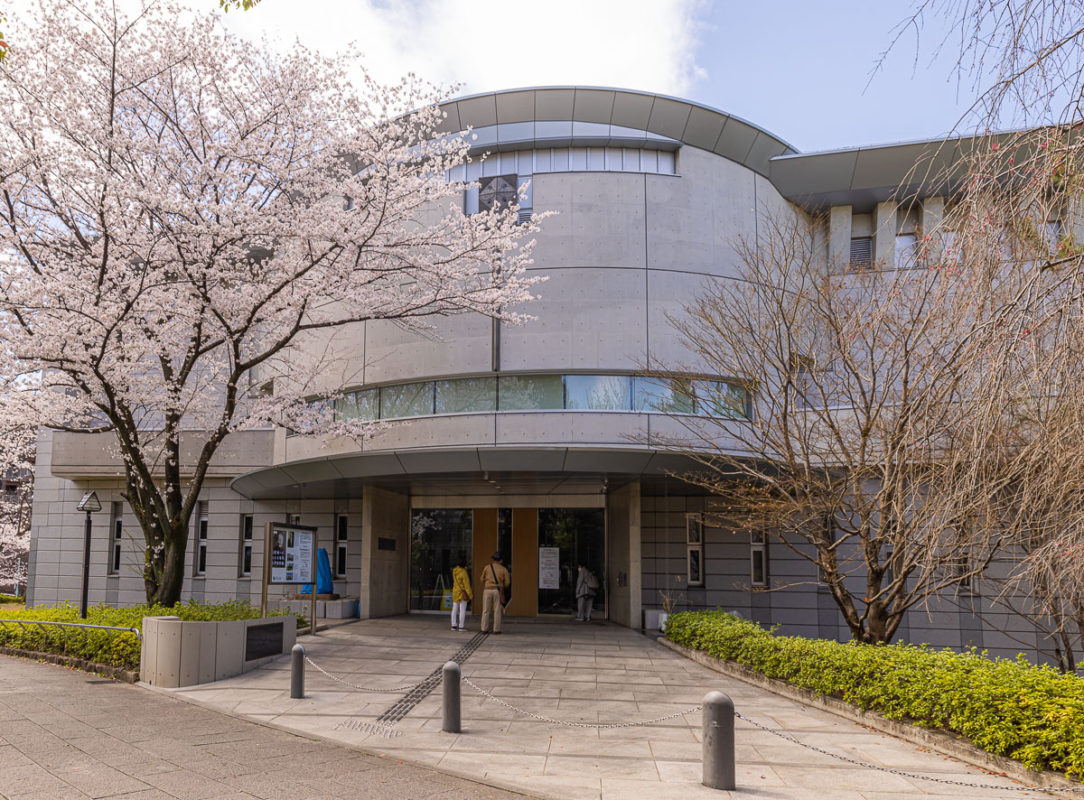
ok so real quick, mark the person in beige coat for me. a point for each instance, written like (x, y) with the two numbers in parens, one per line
(495, 582)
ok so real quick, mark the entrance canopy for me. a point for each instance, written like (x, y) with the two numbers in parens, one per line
(466, 470)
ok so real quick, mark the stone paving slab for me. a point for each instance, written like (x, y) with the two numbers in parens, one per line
(69, 735)
(596, 673)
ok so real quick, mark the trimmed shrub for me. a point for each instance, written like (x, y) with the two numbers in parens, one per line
(112, 648)
(1033, 714)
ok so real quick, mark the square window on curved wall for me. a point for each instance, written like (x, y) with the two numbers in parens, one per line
(530, 392)
(665, 395)
(406, 400)
(598, 392)
(465, 395)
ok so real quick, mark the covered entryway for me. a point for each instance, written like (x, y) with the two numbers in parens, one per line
(542, 548)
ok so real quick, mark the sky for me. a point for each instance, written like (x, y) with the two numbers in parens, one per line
(805, 71)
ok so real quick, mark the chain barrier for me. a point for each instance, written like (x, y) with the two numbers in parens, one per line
(392, 690)
(902, 773)
(566, 723)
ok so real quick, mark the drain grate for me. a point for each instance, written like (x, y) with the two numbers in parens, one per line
(405, 704)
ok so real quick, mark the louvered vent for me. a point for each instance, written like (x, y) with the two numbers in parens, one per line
(861, 252)
(524, 216)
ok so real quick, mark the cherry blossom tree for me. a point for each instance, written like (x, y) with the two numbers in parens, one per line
(17, 448)
(184, 215)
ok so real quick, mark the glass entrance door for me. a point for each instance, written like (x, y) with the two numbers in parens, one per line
(568, 537)
(438, 538)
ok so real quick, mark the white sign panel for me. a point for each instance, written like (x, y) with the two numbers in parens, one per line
(293, 554)
(549, 568)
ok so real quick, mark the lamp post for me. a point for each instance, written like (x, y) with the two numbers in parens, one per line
(89, 504)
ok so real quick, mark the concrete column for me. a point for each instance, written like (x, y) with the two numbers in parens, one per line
(839, 238)
(884, 235)
(623, 577)
(1074, 218)
(933, 215)
(385, 572)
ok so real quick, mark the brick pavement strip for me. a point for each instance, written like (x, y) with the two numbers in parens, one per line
(66, 734)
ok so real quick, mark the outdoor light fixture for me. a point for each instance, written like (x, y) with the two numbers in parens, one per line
(89, 504)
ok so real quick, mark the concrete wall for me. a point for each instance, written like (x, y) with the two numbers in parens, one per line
(623, 555)
(798, 603)
(385, 574)
(57, 542)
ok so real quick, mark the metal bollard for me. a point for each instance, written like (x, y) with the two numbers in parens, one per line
(450, 677)
(297, 672)
(718, 735)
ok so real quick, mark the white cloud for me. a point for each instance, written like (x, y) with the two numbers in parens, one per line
(485, 45)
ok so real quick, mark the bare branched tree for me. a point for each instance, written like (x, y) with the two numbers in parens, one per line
(858, 455)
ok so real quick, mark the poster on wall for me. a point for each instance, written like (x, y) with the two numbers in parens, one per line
(549, 568)
(293, 553)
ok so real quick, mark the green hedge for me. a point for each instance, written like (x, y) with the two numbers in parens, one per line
(111, 648)
(1010, 708)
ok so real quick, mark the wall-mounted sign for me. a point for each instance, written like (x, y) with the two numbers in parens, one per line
(549, 567)
(293, 553)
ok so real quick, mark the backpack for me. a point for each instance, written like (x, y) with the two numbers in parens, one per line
(592, 581)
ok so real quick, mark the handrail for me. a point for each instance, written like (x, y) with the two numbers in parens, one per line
(20, 622)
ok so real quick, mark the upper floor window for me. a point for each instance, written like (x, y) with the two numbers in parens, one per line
(906, 253)
(545, 392)
(497, 192)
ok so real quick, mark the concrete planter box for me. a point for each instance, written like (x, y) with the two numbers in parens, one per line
(343, 608)
(177, 653)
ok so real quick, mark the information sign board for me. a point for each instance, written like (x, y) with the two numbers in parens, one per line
(293, 553)
(549, 568)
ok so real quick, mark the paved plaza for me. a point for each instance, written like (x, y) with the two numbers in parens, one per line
(67, 735)
(578, 673)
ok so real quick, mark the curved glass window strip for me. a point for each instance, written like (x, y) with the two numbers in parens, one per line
(548, 392)
(566, 159)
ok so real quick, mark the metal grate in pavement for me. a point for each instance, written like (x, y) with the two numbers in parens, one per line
(405, 704)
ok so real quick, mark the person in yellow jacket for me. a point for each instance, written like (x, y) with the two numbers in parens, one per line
(461, 594)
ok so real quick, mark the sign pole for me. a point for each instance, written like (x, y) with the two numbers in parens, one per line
(266, 568)
(314, 575)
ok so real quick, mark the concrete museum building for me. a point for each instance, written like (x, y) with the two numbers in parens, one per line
(529, 439)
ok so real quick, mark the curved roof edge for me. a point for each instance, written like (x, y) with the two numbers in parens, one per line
(687, 122)
(350, 472)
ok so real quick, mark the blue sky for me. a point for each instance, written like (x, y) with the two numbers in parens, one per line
(802, 70)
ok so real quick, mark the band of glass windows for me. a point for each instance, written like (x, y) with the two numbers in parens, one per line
(547, 392)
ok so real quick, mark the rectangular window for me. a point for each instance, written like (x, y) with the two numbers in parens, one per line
(861, 252)
(906, 252)
(116, 538)
(598, 392)
(246, 546)
(530, 392)
(341, 528)
(406, 400)
(465, 395)
(666, 395)
(1051, 233)
(364, 404)
(758, 558)
(694, 548)
(722, 399)
(201, 538)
